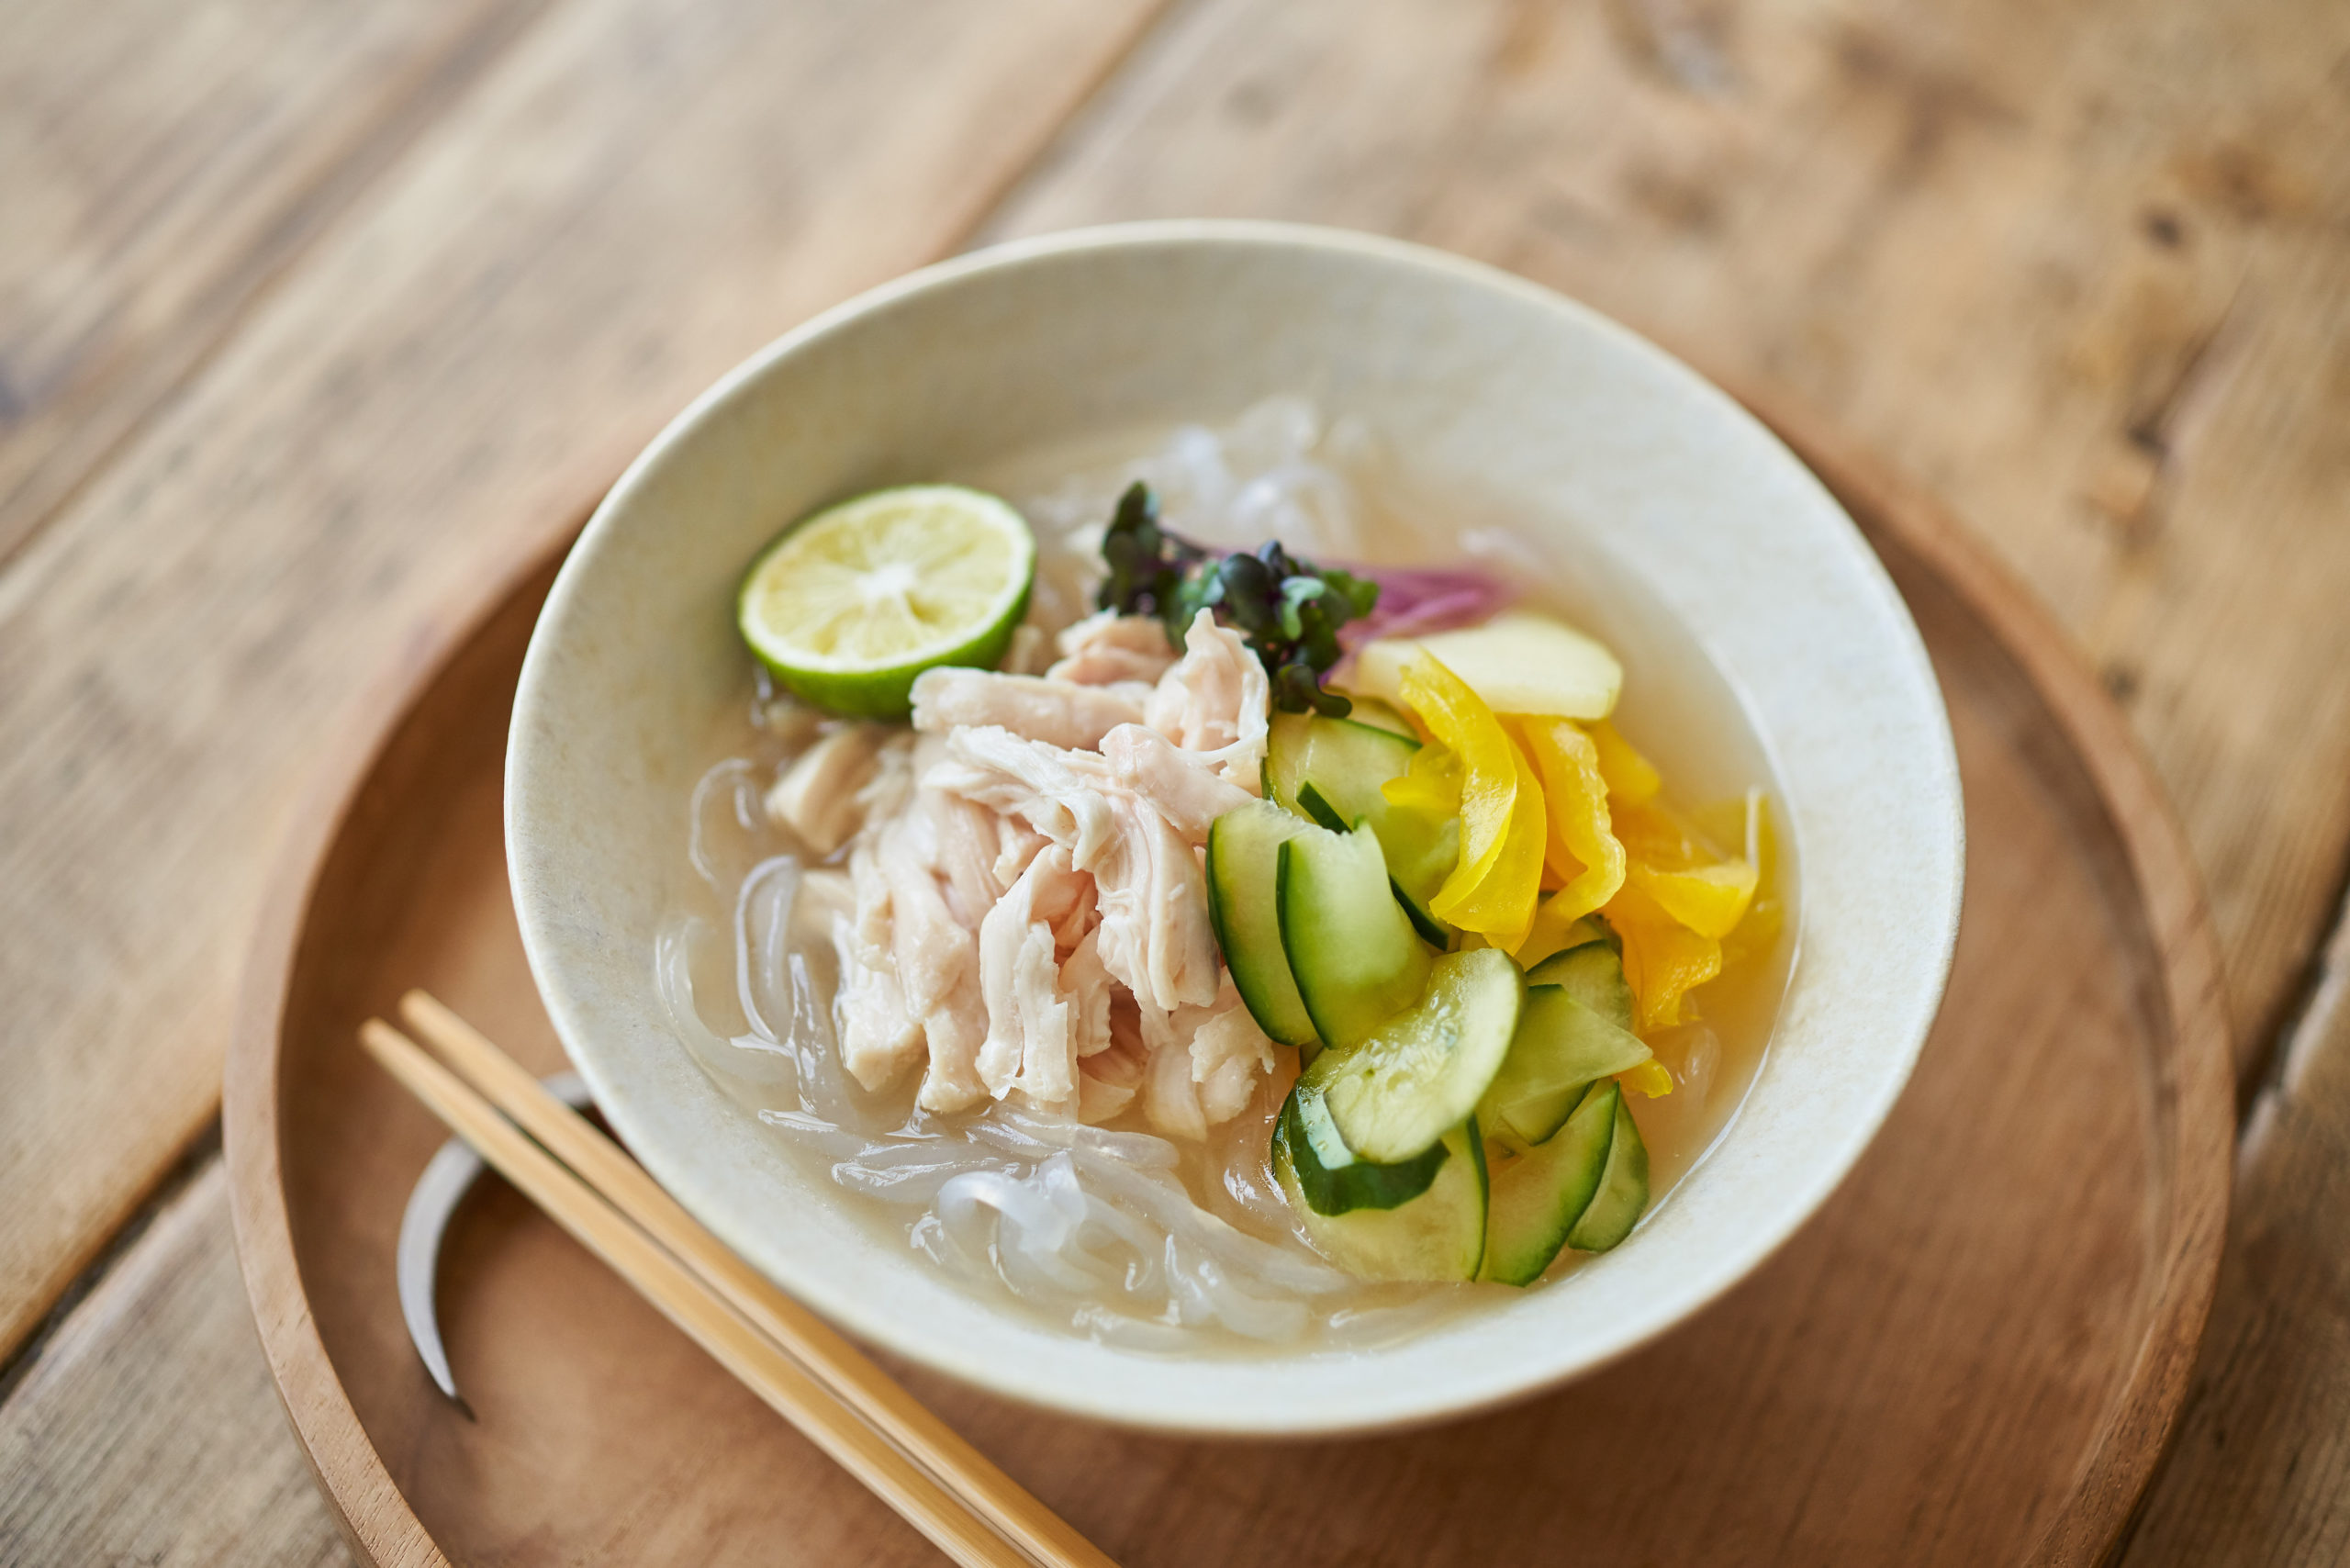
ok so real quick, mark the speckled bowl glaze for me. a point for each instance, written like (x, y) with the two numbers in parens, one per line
(1606, 440)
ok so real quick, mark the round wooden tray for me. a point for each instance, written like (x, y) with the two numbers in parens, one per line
(1975, 1354)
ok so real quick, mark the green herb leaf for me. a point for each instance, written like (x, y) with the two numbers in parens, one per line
(1289, 610)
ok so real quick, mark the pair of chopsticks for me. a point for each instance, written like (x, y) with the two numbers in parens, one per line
(813, 1377)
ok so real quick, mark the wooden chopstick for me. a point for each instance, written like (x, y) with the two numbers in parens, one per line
(830, 1357)
(943, 1516)
(840, 1366)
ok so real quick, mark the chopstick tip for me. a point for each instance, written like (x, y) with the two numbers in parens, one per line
(380, 1037)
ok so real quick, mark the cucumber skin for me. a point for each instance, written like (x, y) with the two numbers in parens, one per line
(1433, 931)
(1439, 1235)
(1313, 803)
(1358, 1183)
(1348, 987)
(1623, 1190)
(1263, 978)
(1539, 1199)
(1372, 713)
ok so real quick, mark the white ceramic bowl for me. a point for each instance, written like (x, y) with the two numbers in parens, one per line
(1604, 440)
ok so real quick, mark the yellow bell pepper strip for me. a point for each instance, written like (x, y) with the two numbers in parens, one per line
(1582, 849)
(1429, 785)
(1656, 836)
(1549, 934)
(1651, 1078)
(1696, 884)
(1663, 959)
(1513, 891)
(1631, 777)
(1492, 889)
(1708, 900)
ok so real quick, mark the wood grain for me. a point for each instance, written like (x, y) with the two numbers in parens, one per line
(2263, 1461)
(643, 191)
(148, 1431)
(162, 165)
(1935, 1370)
(2079, 268)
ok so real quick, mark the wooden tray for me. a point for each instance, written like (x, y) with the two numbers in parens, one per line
(1974, 1355)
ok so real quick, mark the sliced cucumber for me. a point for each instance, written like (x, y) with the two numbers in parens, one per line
(1560, 1046)
(1379, 716)
(1316, 808)
(1331, 770)
(1582, 933)
(1420, 855)
(1623, 1190)
(1594, 975)
(1352, 950)
(1539, 1196)
(1244, 875)
(1418, 1073)
(1306, 746)
(1440, 1235)
(1332, 1179)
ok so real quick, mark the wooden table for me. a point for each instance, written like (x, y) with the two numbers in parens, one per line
(313, 316)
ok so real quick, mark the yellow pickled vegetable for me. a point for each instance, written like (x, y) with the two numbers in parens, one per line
(1631, 777)
(1506, 901)
(1492, 889)
(1581, 850)
(1673, 863)
(1550, 933)
(1663, 959)
(1429, 784)
(1651, 1078)
(1708, 900)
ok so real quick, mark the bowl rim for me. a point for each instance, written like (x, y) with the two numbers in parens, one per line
(1807, 1192)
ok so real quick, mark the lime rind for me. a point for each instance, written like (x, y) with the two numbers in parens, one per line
(847, 606)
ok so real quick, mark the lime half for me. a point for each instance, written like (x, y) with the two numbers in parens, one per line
(849, 605)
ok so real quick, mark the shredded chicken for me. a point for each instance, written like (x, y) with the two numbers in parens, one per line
(1107, 648)
(1025, 910)
(1028, 1023)
(1215, 699)
(1092, 992)
(967, 854)
(1155, 939)
(1228, 1052)
(936, 958)
(1181, 785)
(1108, 1082)
(885, 793)
(817, 796)
(1058, 793)
(1016, 844)
(1203, 1064)
(879, 1036)
(1036, 708)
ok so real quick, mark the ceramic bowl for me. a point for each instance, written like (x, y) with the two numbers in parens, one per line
(1601, 440)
